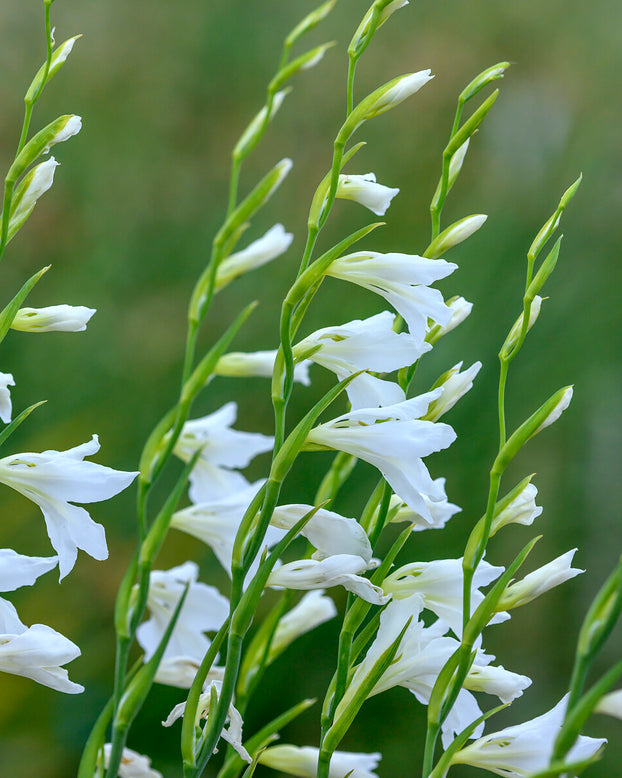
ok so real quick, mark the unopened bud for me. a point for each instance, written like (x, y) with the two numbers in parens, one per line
(361, 37)
(455, 385)
(54, 318)
(454, 234)
(58, 59)
(28, 191)
(252, 134)
(517, 507)
(540, 581)
(56, 132)
(517, 327)
(485, 77)
(261, 251)
(460, 310)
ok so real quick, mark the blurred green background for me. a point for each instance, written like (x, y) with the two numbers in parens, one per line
(165, 89)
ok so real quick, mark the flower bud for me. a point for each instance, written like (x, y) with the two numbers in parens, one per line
(455, 165)
(454, 234)
(58, 59)
(364, 190)
(237, 364)
(309, 22)
(313, 609)
(517, 507)
(540, 581)
(56, 132)
(517, 327)
(28, 191)
(363, 34)
(252, 134)
(460, 310)
(305, 61)
(261, 251)
(53, 318)
(455, 385)
(485, 77)
(611, 704)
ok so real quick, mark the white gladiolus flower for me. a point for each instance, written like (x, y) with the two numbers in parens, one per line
(329, 532)
(237, 364)
(35, 652)
(217, 523)
(180, 671)
(399, 89)
(261, 251)
(455, 386)
(53, 318)
(611, 704)
(521, 510)
(439, 584)
(222, 449)
(232, 735)
(495, 679)
(337, 570)
(302, 761)
(17, 570)
(55, 480)
(204, 610)
(403, 280)
(440, 510)
(394, 440)
(564, 402)
(314, 609)
(364, 190)
(132, 765)
(6, 380)
(539, 581)
(525, 748)
(370, 344)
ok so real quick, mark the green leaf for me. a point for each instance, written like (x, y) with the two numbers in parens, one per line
(10, 428)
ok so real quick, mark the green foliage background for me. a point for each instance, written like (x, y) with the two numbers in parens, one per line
(165, 89)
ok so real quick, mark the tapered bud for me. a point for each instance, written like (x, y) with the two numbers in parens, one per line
(454, 234)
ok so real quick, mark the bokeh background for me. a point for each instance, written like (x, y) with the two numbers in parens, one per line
(165, 89)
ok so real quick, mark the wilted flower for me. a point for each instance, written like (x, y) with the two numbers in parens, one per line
(525, 748)
(364, 190)
(54, 318)
(302, 761)
(56, 479)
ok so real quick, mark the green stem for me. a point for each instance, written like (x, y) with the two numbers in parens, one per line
(503, 375)
(351, 73)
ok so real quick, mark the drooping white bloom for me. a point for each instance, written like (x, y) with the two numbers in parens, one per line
(455, 386)
(204, 610)
(17, 570)
(231, 735)
(337, 570)
(403, 280)
(363, 189)
(302, 761)
(440, 510)
(222, 449)
(237, 364)
(261, 251)
(525, 748)
(56, 479)
(216, 524)
(6, 380)
(394, 440)
(36, 652)
(439, 584)
(53, 318)
(370, 344)
(539, 581)
(329, 532)
(313, 609)
(521, 510)
(133, 765)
